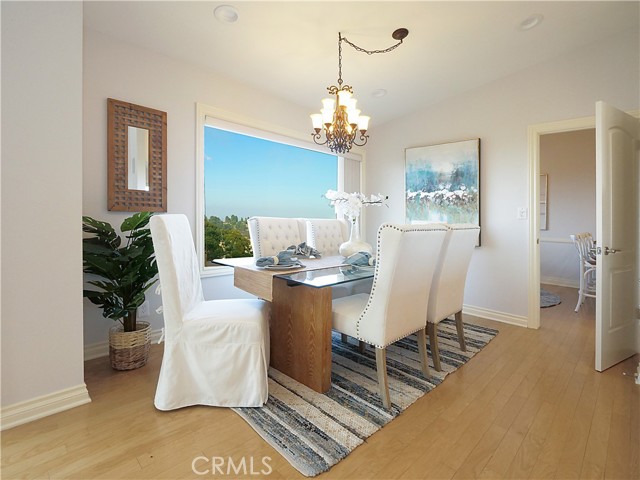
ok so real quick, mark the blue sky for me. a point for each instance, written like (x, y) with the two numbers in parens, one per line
(249, 176)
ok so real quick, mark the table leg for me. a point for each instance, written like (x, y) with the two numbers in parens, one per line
(300, 332)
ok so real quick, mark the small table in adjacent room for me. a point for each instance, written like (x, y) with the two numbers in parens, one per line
(300, 326)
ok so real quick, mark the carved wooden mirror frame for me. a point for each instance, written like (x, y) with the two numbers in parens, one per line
(121, 116)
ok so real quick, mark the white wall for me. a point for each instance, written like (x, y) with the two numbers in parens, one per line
(116, 70)
(42, 348)
(569, 160)
(500, 113)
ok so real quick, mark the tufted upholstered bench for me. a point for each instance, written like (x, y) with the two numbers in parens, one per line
(270, 235)
(327, 234)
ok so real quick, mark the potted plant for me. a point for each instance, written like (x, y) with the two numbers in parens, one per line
(126, 272)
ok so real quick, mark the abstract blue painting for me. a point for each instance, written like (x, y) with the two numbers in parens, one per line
(442, 183)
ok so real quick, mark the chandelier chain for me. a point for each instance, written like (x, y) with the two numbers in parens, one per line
(359, 49)
(339, 59)
(371, 52)
(339, 120)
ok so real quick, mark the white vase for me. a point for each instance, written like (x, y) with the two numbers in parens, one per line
(354, 244)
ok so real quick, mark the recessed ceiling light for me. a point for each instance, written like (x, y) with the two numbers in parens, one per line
(380, 92)
(226, 13)
(531, 21)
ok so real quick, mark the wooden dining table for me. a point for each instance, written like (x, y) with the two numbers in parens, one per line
(300, 321)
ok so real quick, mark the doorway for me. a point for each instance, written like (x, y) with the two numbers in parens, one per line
(535, 132)
(567, 206)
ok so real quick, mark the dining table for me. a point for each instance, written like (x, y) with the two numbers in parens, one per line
(300, 320)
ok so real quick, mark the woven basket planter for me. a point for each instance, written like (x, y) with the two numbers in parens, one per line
(129, 350)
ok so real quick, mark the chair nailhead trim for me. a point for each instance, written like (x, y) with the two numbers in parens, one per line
(403, 228)
(258, 254)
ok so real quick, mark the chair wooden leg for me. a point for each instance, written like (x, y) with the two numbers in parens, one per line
(343, 337)
(422, 349)
(460, 329)
(381, 365)
(361, 346)
(432, 330)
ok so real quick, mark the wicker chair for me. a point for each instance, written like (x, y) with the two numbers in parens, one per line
(585, 245)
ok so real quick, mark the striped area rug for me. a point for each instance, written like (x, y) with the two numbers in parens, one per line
(314, 431)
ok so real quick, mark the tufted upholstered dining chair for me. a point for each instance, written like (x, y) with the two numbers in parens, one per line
(216, 352)
(397, 304)
(271, 235)
(447, 291)
(584, 244)
(327, 234)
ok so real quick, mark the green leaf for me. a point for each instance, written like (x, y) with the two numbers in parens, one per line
(138, 220)
(101, 266)
(95, 246)
(103, 231)
(91, 294)
(124, 273)
(105, 286)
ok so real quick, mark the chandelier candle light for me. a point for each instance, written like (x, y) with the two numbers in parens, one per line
(350, 205)
(339, 118)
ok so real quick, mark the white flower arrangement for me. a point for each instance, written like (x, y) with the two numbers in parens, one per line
(350, 204)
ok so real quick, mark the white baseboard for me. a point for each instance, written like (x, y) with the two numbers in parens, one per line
(101, 349)
(43, 406)
(559, 281)
(520, 321)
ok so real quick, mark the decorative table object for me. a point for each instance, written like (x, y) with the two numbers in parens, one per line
(350, 206)
(355, 244)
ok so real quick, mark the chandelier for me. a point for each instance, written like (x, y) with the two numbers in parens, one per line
(339, 119)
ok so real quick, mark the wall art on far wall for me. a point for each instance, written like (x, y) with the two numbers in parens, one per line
(442, 183)
(543, 201)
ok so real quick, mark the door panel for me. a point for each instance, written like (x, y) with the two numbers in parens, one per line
(617, 143)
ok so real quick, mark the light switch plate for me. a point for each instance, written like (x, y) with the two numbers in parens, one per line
(522, 213)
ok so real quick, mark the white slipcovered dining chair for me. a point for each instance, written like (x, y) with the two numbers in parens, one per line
(447, 291)
(585, 245)
(216, 352)
(397, 305)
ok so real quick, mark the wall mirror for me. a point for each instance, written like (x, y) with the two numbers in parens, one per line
(137, 157)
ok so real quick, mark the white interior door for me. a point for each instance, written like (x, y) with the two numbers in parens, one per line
(617, 158)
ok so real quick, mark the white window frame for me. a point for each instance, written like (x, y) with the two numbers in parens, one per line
(214, 117)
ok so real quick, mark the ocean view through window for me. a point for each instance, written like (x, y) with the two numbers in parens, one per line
(246, 176)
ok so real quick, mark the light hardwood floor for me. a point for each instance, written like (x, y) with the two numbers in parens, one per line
(530, 405)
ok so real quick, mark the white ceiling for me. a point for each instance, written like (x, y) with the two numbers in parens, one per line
(290, 48)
